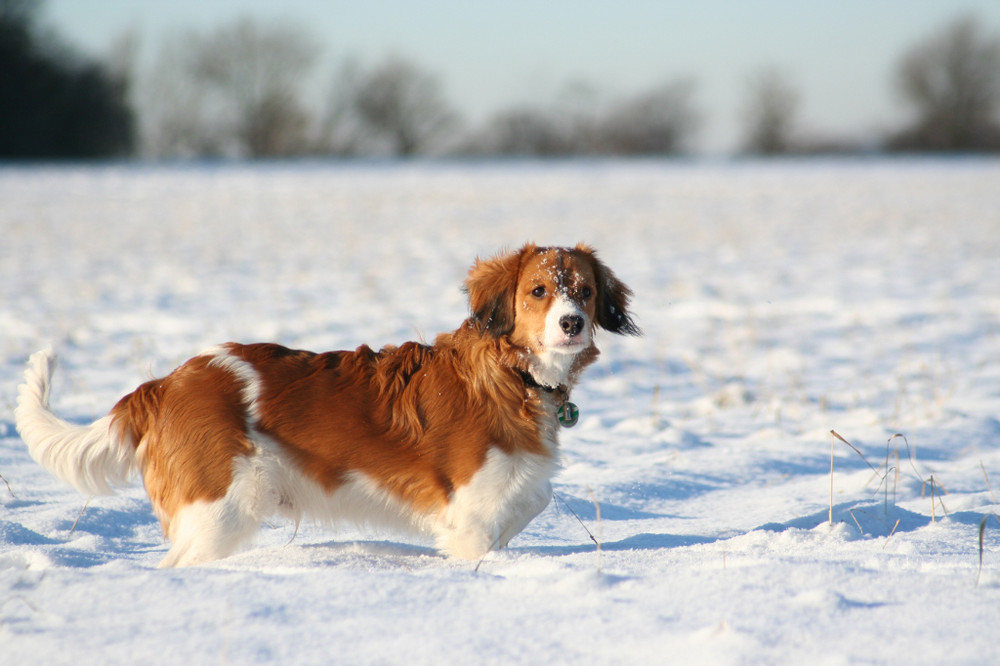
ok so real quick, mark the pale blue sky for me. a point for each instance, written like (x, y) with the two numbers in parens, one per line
(840, 54)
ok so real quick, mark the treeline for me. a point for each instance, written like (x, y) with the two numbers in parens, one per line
(240, 90)
(52, 103)
(246, 90)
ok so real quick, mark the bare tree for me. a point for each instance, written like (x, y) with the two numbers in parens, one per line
(522, 131)
(578, 113)
(260, 71)
(402, 105)
(769, 113)
(341, 131)
(237, 90)
(175, 113)
(660, 121)
(951, 81)
(566, 126)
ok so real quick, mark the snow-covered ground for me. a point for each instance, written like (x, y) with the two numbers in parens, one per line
(780, 301)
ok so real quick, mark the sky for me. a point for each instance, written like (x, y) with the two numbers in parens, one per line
(839, 55)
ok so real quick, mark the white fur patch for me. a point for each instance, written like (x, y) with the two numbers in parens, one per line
(358, 500)
(551, 365)
(500, 500)
(245, 374)
(555, 338)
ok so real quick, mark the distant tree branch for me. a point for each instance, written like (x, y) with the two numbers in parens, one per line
(951, 83)
(769, 114)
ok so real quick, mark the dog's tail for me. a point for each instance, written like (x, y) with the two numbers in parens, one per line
(92, 457)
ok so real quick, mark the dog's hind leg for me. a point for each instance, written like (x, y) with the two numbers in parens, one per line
(204, 531)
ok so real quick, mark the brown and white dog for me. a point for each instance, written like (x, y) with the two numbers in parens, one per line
(457, 439)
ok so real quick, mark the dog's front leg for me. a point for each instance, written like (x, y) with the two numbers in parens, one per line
(534, 503)
(497, 503)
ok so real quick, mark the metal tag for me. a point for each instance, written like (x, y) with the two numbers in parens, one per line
(568, 414)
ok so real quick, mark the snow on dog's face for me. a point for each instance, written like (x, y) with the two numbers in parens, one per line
(548, 300)
(554, 306)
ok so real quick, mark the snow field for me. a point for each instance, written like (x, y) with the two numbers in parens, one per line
(779, 301)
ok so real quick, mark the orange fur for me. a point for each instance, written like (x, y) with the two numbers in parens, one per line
(188, 428)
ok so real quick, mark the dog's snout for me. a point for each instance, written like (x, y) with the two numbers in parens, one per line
(571, 324)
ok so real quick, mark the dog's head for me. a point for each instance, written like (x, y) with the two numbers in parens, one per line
(548, 300)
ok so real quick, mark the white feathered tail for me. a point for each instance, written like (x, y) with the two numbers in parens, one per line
(91, 458)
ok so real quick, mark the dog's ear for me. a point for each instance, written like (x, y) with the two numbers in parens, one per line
(613, 297)
(492, 289)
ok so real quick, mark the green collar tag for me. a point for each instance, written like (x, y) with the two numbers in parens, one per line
(568, 414)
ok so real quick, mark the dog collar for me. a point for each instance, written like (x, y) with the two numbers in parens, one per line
(530, 381)
(568, 414)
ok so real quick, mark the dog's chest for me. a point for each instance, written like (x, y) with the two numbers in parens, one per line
(504, 477)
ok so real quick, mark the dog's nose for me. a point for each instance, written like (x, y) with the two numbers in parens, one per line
(571, 324)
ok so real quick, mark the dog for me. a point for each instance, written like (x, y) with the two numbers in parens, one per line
(457, 439)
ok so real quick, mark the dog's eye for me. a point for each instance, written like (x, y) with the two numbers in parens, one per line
(586, 292)
(538, 292)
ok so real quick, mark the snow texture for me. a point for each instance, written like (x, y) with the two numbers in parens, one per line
(779, 300)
